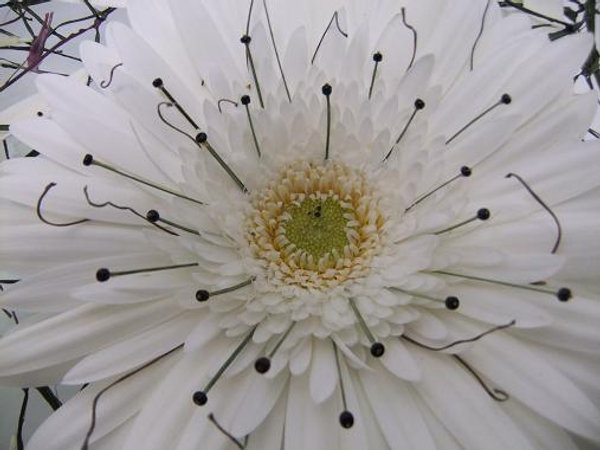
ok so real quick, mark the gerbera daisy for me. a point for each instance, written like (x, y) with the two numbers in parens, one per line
(304, 225)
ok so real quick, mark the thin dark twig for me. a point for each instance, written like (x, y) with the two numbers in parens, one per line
(487, 6)
(94, 26)
(54, 52)
(335, 19)
(41, 21)
(169, 124)
(124, 208)
(534, 13)
(22, 413)
(16, 19)
(72, 21)
(227, 101)
(88, 435)
(38, 210)
(460, 341)
(106, 83)
(49, 396)
(543, 205)
(8, 64)
(594, 133)
(237, 443)
(93, 10)
(497, 394)
(25, 21)
(415, 37)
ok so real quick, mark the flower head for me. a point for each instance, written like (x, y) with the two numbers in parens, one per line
(306, 225)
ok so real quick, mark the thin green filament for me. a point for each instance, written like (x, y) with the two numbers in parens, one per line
(317, 226)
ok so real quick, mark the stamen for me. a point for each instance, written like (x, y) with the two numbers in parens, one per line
(227, 434)
(377, 58)
(248, 20)
(563, 294)
(114, 383)
(245, 100)
(543, 205)
(158, 83)
(201, 397)
(337, 24)
(326, 90)
(465, 172)
(227, 101)
(460, 341)
(202, 140)
(38, 211)
(285, 85)
(482, 214)
(377, 348)
(250, 9)
(246, 41)
(451, 302)
(419, 105)
(497, 394)
(346, 417)
(106, 83)
(153, 216)
(89, 160)
(123, 208)
(263, 364)
(203, 295)
(504, 100)
(414, 32)
(487, 6)
(104, 274)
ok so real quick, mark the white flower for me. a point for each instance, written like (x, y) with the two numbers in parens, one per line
(363, 216)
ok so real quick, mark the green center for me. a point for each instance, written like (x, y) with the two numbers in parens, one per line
(317, 227)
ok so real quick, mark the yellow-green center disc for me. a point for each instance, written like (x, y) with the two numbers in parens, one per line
(317, 227)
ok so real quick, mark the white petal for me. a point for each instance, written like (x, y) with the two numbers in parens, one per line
(67, 428)
(75, 333)
(392, 404)
(399, 361)
(132, 352)
(459, 402)
(323, 372)
(303, 415)
(537, 384)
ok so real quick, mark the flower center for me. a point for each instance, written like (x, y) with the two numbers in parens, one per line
(315, 225)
